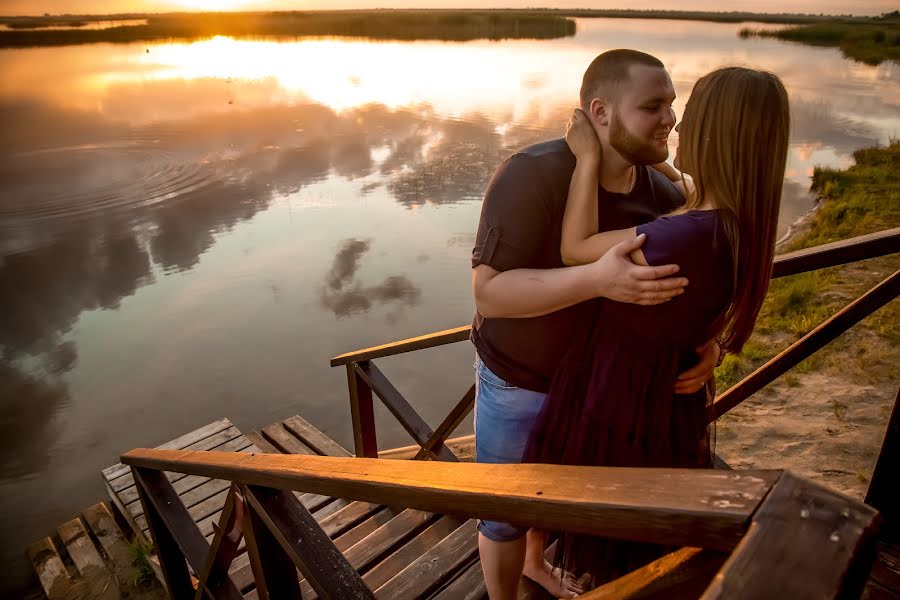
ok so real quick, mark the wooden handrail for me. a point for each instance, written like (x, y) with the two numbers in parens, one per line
(699, 507)
(430, 340)
(855, 249)
(843, 320)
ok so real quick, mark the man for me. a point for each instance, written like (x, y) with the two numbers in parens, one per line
(528, 305)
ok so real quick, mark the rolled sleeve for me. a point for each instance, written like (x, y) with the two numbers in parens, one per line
(514, 217)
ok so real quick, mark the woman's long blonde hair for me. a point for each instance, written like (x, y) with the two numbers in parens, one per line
(733, 141)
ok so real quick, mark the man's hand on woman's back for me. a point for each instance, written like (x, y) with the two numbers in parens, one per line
(618, 278)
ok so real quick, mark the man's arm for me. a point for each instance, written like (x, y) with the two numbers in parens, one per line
(520, 293)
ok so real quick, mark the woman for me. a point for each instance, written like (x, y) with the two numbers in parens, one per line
(611, 403)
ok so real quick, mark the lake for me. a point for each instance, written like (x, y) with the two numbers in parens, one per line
(189, 231)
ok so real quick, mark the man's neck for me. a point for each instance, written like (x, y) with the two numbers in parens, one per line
(616, 175)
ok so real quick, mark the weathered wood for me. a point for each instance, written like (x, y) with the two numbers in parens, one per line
(314, 438)
(362, 415)
(344, 519)
(448, 425)
(427, 573)
(310, 549)
(885, 574)
(223, 548)
(262, 443)
(284, 441)
(111, 539)
(843, 320)
(212, 442)
(882, 494)
(841, 252)
(50, 570)
(430, 340)
(679, 507)
(172, 559)
(185, 483)
(393, 533)
(402, 410)
(469, 585)
(273, 568)
(463, 447)
(100, 582)
(385, 570)
(805, 542)
(681, 575)
(188, 439)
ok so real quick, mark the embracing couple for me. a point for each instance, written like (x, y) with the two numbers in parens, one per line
(607, 285)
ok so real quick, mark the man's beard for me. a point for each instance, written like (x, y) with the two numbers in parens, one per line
(630, 147)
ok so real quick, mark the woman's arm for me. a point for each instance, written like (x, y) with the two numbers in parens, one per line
(581, 243)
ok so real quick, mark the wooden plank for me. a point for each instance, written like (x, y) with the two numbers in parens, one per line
(114, 498)
(448, 425)
(402, 410)
(397, 531)
(882, 493)
(681, 575)
(50, 570)
(463, 447)
(261, 442)
(352, 537)
(344, 519)
(362, 415)
(886, 569)
(385, 570)
(284, 441)
(702, 507)
(314, 438)
(224, 547)
(111, 539)
(431, 569)
(100, 582)
(430, 340)
(217, 439)
(118, 469)
(273, 568)
(841, 252)
(843, 320)
(184, 483)
(468, 586)
(805, 542)
(300, 536)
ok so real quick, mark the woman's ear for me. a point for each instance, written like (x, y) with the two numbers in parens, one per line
(599, 110)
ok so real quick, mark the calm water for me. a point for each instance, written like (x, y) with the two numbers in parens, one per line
(191, 230)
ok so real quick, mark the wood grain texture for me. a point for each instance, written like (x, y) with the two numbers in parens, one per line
(681, 575)
(805, 542)
(430, 340)
(707, 508)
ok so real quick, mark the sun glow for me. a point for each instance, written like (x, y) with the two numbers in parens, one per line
(213, 5)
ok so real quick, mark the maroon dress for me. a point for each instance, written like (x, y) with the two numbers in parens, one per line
(612, 400)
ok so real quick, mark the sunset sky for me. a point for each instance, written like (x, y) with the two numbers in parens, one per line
(38, 7)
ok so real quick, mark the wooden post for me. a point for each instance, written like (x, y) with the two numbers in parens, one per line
(882, 494)
(171, 560)
(362, 412)
(281, 521)
(273, 569)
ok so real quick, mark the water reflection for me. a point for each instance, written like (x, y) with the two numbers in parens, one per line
(177, 226)
(344, 295)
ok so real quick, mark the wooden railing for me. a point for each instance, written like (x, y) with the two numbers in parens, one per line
(749, 534)
(364, 377)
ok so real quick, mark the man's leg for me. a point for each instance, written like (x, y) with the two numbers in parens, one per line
(502, 565)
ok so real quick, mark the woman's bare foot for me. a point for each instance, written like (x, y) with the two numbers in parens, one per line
(548, 578)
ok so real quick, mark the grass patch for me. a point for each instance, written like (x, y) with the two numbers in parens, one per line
(862, 199)
(140, 553)
(870, 42)
(389, 25)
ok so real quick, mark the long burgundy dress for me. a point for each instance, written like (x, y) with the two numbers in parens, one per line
(612, 401)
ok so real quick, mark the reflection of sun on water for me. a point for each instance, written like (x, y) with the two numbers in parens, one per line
(213, 5)
(343, 73)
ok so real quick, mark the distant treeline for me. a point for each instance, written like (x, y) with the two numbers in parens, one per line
(870, 42)
(388, 25)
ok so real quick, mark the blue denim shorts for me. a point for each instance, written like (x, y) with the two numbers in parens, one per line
(504, 417)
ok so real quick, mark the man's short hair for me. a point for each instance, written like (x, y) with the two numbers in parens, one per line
(609, 71)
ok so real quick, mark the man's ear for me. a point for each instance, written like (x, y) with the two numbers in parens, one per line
(600, 110)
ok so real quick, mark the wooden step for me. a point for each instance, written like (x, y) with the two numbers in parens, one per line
(99, 580)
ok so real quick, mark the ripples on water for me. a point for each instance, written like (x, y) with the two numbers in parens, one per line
(190, 231)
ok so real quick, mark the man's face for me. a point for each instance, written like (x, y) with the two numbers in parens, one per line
(642, 117)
